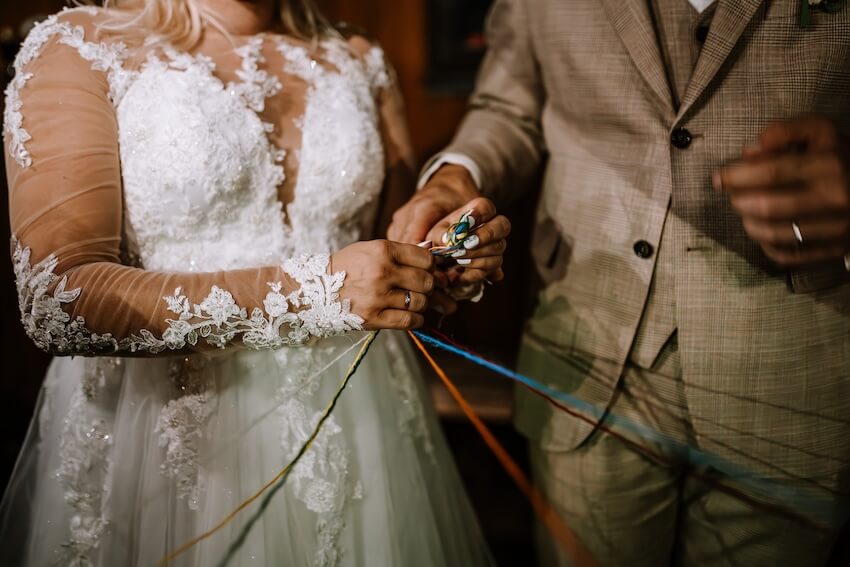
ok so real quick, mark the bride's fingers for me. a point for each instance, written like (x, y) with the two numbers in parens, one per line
(462, 276)
(442, 303)
(483, 210)
(488, 264)
(398, 319)
(413, 279)
(496, 229)
(397, 298)
(493, 249)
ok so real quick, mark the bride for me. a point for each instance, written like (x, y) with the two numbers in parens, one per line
(190, 182)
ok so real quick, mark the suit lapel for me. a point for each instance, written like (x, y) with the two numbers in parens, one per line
(730, 20)
(633, 23)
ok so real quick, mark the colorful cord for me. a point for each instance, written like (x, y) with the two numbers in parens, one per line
(548, 516)
(278, 481)
(795, 505)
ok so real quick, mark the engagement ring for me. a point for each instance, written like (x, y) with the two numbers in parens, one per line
(797, 234)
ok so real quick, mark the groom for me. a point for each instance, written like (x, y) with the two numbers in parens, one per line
(690, 242)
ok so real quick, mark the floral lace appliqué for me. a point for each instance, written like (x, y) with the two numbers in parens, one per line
(256, 85)
(411, 412)
(218, 320)
(44, 320)
(84, 456)
(180, 429)
(103, 57)
(321, 480)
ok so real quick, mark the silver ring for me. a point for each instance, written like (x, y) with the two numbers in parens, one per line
(407, 299)
(797, 234)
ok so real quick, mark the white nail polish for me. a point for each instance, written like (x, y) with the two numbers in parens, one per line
(471, 242)
(425, 244)
(459, 253)
(445, 238)
(464, 261)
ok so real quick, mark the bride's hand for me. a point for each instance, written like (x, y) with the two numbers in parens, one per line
(379, 273)
(483, 251)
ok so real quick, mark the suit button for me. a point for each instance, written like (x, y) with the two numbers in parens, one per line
(681, 138)
(643, 249)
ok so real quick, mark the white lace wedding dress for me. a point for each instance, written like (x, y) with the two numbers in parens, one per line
(172, 215)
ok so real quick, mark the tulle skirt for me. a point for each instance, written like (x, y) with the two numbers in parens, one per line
(128, 458)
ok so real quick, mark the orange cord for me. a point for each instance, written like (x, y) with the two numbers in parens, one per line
(548, 516)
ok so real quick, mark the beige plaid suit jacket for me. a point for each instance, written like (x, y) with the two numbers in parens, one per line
(579, 89)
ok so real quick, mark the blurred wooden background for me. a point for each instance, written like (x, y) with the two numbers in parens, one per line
(413, 33)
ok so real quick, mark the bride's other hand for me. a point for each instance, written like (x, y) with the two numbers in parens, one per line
(379, 274)
(481, 258)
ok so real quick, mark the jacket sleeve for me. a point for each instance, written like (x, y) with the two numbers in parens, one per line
(501, 131)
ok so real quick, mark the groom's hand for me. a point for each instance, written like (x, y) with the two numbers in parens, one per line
(792, 190)
(447, 190)
(449, 193)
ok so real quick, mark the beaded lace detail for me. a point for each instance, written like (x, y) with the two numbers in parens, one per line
(321, 480)
(181, 428)
(217, 320)
(412, 419)
(257, 85)
(85, 465)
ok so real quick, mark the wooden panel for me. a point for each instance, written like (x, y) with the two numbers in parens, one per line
(400, 28)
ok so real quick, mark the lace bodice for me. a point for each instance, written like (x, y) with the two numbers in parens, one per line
(228, 175)
(181, 125)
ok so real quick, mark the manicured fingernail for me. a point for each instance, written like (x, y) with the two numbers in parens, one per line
(464, 261)
(459, 254)
(717, 182)
(425, 244)
(445, 238)
(471, 242)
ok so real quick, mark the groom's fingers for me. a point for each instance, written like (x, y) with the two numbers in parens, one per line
(413, 221)
(399, 319)
(442, 303)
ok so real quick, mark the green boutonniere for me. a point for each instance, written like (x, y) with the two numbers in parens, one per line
(807, 6)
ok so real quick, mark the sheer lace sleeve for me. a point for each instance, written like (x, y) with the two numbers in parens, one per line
(399, 155)
(66, 212)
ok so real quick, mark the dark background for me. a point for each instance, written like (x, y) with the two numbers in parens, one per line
(435, 46)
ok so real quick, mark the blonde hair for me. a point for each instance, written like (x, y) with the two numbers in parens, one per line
(182, 22)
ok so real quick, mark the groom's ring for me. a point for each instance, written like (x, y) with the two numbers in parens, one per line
(407, 299)
(798, 236)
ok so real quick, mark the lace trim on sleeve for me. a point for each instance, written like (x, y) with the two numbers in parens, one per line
(103, 57)
(217, 320)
